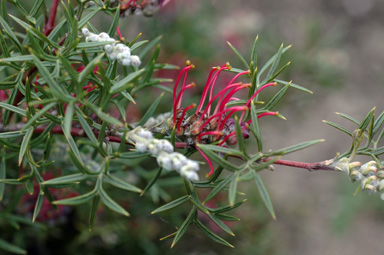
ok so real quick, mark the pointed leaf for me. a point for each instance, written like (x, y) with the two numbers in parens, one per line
(264, 195)
(72, 178)
(92, 215)
(11, 248)
(339, 127)
(219, 187)
(124, 83)
(183, 228)
(25, 144)
(255, 127)
(294, 148)
(108, 202)
(151, 110)
(38, 205)
(239, 56)
(77, 200)
(119, 183)
(212, 235)
(171, 204)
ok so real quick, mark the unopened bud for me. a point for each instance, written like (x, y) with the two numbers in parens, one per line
(356, 176)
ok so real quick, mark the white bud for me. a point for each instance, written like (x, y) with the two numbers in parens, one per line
(108, 48)
(104, 35)
(142, 147)
(144, 133)
(135, 60)
(164, 161)
(192, 176)
(166, 146)
(126, 62)
(92, 37)
(112, 56)
(85, 31)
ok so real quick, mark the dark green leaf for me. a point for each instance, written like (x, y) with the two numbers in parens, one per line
(346, 116)
(89, 68)
(10, 247)
(212, 235)
(255, 51)
(219, 187)
(92, 215)
(73, 178)
(77, 200)
(2, 174)
(171, 204)
(40, 113)
(14, 109)
(255, 127)
(276, 98)
(264, 194)
(239, 56)
(108, 202)
(38, 205)
(221, 224)
(233, 189)
(239, 136)
(149, 46)
(293, 148)
(88, 17)
(339, 127)
(222, 162)
(183, 228)
(119, 183)
(25, 144)
(124, 83)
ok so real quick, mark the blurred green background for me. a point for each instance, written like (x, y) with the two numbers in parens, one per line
(337, 52)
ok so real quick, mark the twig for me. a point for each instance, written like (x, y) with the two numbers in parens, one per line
(52, 16)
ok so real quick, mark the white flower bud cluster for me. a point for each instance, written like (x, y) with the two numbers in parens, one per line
(370, 177)
(115, 51)
(164, 152)
(159, 120)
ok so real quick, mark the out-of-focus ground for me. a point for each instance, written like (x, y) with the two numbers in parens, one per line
(338, 53)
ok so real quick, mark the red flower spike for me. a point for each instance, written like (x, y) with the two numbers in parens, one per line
(181, 92)
(219, 114)
(185, 69)
(210, 84)
(258, 91)
(183, 115)
(217, 133)
(119, 33)
(222, 92)
(208, 161)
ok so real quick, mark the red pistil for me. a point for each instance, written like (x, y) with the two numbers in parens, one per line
(211, 83)
(207, 159)
(183, 114)
(119, 33)
(217, 133)
(258, 91)
(219, 114)
(185, 69)
(218, 94)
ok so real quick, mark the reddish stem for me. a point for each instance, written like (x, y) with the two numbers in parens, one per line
(324, 165)
(52, 16)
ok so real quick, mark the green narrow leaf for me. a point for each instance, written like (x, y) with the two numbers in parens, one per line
(121, 184)
(25, 144)
(38, 205)
(133, 155)
(240, 138)
(276, 98)
(72, 145)
(171, 204)
(2, 174)
(229, 151)
(149, 46)
(221, 224)
(77, 200)
(226, 217)
(233, 189)
(269, 63)
(115, 23)
(35, 32)
(124, 83)
(89, 68)
(68, 67)
(346, 116)
(255, 51)
(255, 127)
(72, 178)
(151, 110)
(78, 163)
(92, 215)
(239, 56)
(264, 194)
(364, 124)
(35, 8)
(12, 134)
(10, 247)
(14, 109)
(227, 207)
(222, 162)
(67, 125)
(339, 127)
(56, 89)
(219, 187)
(87, 129)
(88, 17)
(108, 202)
(378, 122)
(293, 148)
(40, 113)
(183, 228)
(293, 85)
(102, 115)
(212, 235)
(275, 64)
(8, 30)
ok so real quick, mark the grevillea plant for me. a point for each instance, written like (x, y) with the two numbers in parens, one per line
(60, 80)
